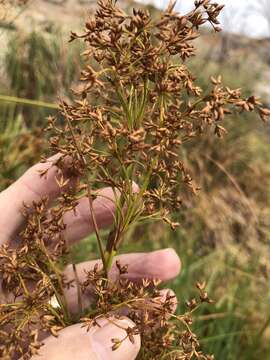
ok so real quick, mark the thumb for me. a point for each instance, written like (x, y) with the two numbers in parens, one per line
(74, 342)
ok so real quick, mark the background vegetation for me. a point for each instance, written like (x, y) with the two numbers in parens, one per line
(225, 231)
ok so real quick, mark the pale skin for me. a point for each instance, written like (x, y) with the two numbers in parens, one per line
(74, 342)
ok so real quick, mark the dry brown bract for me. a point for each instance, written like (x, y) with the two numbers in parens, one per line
(138, 104)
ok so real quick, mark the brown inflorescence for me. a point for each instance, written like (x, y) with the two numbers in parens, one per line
(137, 104)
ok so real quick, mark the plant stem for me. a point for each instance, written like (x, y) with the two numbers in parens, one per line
(89, 192)
(79, 293)
(23, 101)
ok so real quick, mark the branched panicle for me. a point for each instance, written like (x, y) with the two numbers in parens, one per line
(136, 105)
(162, 332)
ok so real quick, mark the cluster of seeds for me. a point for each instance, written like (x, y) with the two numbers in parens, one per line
(136, 105)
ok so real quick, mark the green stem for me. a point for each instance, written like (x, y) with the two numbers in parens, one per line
(109, 258)
(89, 192)
(143, 103)
(125, 107)
(23, 101)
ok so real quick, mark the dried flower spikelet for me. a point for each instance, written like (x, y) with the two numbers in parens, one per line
(136, 74)
(138, 103)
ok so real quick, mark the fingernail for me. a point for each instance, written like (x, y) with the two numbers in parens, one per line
(162, 259)
(135, 187)
(101, 340)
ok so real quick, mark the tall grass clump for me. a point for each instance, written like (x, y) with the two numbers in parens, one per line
(36, 69)
(37, 66)
(20, 147)
(138, 106)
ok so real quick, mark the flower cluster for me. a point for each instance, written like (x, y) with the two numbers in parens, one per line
(137, 104)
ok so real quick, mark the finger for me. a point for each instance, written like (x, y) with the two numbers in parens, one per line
(161, 264)
(96, 344)
(28, 188)
(79, 223)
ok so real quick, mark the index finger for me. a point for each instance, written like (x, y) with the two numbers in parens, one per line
(160, 264)
(28, 188)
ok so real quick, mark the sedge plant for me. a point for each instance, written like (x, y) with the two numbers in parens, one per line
(136, 106)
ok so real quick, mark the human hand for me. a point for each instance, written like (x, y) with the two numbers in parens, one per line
(74, 341)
